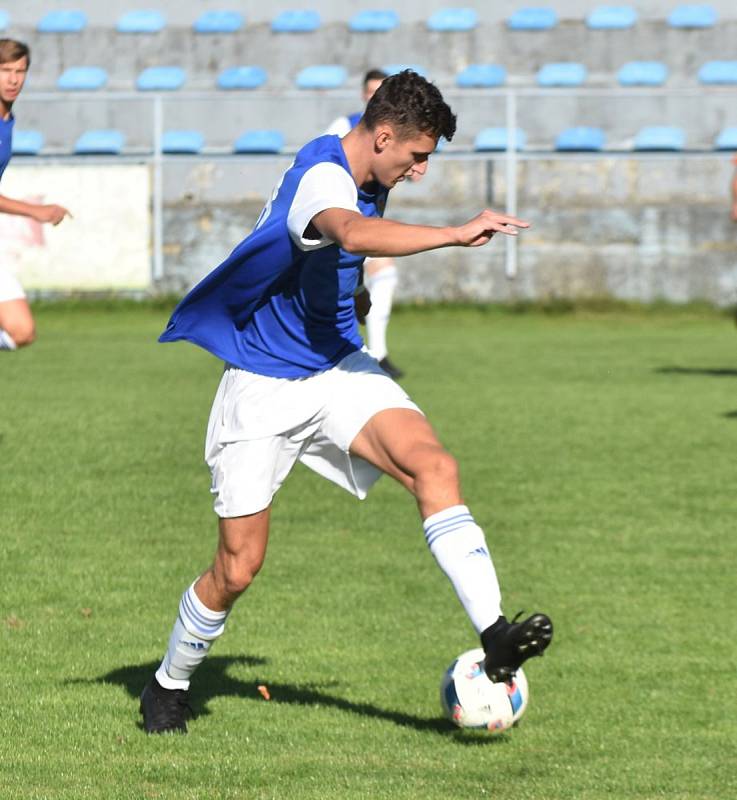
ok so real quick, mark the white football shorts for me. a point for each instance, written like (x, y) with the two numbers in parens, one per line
(10, 288)
(260, 426)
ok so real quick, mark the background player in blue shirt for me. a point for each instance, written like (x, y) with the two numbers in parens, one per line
(16, 322)
(379, 274)
(299, 387)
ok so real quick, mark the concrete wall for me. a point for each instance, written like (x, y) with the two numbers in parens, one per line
(630, 228)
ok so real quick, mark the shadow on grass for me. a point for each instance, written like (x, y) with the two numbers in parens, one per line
(730, 414)
(213, 681)
(714, 373)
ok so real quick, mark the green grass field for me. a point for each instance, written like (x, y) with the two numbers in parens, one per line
(597, 451)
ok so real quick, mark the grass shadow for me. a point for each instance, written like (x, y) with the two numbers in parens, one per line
(711, 372)
(214, 680)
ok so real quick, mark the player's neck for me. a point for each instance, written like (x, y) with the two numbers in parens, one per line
(358, 148)
(5, 109)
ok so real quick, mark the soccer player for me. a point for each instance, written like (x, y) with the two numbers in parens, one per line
(298, 386)
(380, 274)
(16, 322)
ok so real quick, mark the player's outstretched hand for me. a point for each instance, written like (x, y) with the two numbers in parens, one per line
(51, 213)
(482, 227)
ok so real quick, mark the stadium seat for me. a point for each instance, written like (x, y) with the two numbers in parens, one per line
(727, 139)
(496, 139)
(642, 73)
(243, 77)
(82, 79)
(533, 19)
(62, 22)
(697, 16)
(259, 141)
(660, 137)
(580, 138)
(4, 20)
(611, 18)
(321, 76)
(393, 69)
(100, 142)
(718, 72)
(186, 142)
(565, 73)
(27, 143)
(373, 21)
(161, 79)
(485, 76)
(453, 19)
(218, 22)
(296, 22)
(147, 21)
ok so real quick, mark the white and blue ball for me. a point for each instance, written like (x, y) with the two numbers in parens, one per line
(471, 700)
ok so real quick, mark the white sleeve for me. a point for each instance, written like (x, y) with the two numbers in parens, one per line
(326, 185)
(339, 127)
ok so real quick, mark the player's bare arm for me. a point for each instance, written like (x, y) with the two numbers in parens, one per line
(51, 213)
(373, 236)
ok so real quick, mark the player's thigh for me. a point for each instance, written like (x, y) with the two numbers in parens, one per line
(243, 540)
(16, 319)
(402, 443)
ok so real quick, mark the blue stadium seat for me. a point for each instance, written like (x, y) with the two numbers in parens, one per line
(533, 19)
(82, 79)
(161, 79)
(243, 77)
(696, 16)
(611, 18)
(175, 142)
(259, 141)
(218, 22)
(374, 21)
(321, 76)
(719, 72)
(296, 22)
(660, 137)
(727, 139)
(484, 76)
(393, 69)
(580, 138)
(453, 19)
(496, 139)
(100, 142)
(4, 20)
(27, 143)
(564, 73)
(642, 73)
(62, 22)
(146, 21)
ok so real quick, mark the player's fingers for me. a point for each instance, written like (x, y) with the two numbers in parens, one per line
(509, 220)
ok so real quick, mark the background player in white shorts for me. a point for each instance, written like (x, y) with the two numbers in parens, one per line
(379, 274)
(298, 386)
(16, 322)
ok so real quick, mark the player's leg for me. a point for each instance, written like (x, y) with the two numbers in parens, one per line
(380, 278)
(17, 328)
(203, 611)
(401, 443)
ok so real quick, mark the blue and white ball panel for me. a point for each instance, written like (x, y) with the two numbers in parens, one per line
(471, 700)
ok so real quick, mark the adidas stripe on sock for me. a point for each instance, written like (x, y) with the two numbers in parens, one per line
(195, 629)
(459, 547)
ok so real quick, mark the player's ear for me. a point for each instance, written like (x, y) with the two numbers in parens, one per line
(382, 136)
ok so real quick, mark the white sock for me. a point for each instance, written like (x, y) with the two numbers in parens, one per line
(6, 341)
(459, 547)
(381, 285)
(195, 629)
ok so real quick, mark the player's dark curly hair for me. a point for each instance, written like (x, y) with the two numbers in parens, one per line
(411, 105)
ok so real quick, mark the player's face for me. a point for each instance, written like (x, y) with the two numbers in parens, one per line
(401, 158)
(12, 77)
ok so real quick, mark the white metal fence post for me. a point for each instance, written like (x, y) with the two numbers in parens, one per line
(510, 266)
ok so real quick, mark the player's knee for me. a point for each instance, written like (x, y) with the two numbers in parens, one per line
(23, 333)
(239, 575)
(439, 469)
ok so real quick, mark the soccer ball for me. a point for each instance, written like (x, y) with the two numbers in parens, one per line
(471, 700)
